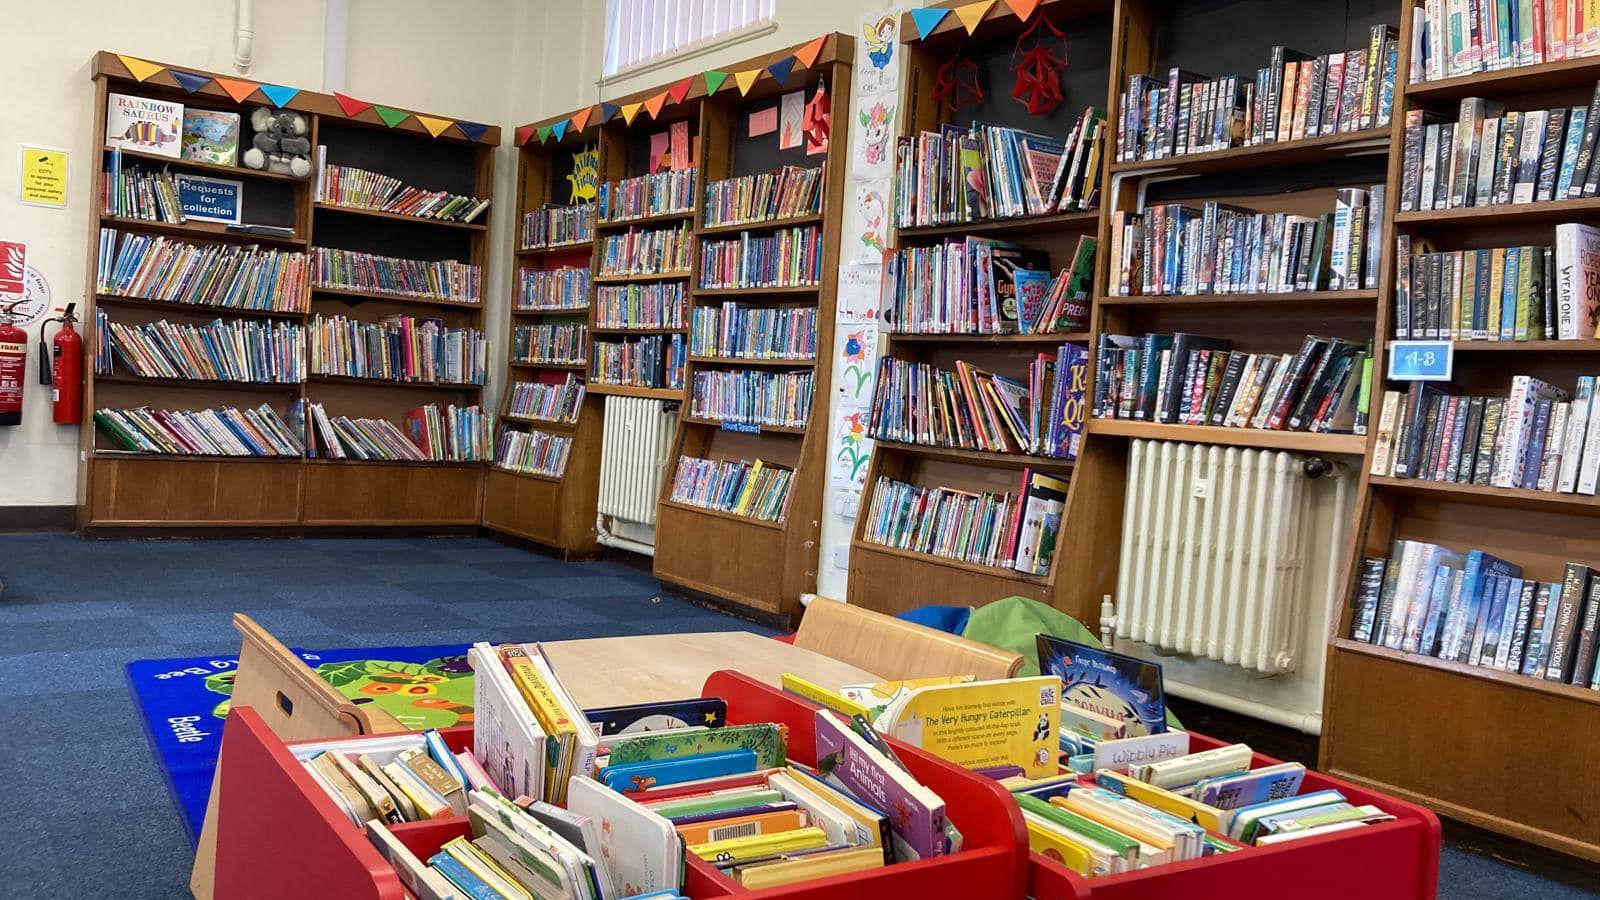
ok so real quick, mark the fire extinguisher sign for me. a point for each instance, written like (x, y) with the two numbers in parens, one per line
(13, 266)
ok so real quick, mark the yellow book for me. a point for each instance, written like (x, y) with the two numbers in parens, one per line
(979, 724)
(735, 850)
(1208, 817)
(816, 693)
(1051, 842)
(536, 691)
(749, 485)
(788, 871)
(1497, 284)
(1093, 811)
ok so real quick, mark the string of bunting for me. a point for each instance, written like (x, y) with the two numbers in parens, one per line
(970, 15)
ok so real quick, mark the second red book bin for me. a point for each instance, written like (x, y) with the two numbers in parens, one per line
(280, 836)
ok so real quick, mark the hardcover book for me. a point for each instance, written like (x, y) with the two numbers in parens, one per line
(1107, 683)
(144, 124)
(211, 136)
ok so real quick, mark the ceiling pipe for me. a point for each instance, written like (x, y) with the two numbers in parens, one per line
(244, 36)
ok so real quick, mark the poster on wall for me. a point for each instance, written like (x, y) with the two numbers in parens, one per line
(857, 364)
(874, 144)
(868, 234)
(44, 176)
(880, 38)
(858, 292)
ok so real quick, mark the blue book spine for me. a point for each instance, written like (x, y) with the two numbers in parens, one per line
(1569, 153)
(1508, 294)
(460, 876)
(1444, 578)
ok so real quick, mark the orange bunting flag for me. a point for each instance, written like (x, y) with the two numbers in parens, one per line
(973, 13)
(808, 54)
(140, 68)
(435, 126)
(580, 119)
(237, 89)
(680, 90)
(629, 110)
(746, 80)
(1023, 8)
(654, 104)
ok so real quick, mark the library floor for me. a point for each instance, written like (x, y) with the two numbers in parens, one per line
(91, 815)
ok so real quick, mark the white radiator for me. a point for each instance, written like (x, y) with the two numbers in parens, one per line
(633, 453)
(1216, 549)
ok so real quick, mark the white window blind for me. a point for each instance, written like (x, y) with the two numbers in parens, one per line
(638, 31)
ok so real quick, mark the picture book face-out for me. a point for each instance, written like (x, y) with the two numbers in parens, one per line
(1113, 684)
(144, 124)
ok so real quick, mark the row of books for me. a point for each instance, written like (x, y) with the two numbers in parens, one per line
(228, 275)
(788, 257)
(655, 361)
(972, 409)
(1493, 156)
(353, 270)
(1219, 248)
(237, 350)
(1295, 96)
(1015, 530)
(757, 489)
(654, 304)
(139, 193)
(533, 452)
(1478, 609)
(1499, 293)
(749, 397)
(1538, 437)
(754, 332)
(554, 226)
(398, 348)
(551, 402)
(364, 189)
(655, 194)
(789, 192)
(430, 434)
(647, 252)
(564, 288)
(991, 172)
(1450, 38)
(1189, 379)
(559, 344)
(973, 285)
(228, 431)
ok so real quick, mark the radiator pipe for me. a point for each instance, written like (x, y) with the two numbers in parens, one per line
(1307, 723)
(244, 36)
(604, 536)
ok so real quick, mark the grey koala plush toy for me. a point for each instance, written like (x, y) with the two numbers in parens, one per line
(280, 143)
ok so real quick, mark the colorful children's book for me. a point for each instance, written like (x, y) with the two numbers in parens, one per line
(640, 848)
(769, 742)
(1106, 683)
(916, 814)
(144, 124)
(637, 776)
(211, 136)
(704, 712)
(1255, 786)
(983, 723)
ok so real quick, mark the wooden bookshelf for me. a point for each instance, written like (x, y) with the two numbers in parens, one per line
(153, 492)
(750, 563)
(1377, 726)
(890, 579)
(557, 511)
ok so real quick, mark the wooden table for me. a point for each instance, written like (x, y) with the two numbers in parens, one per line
(620, 670)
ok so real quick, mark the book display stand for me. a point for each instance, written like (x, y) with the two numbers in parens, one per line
(162, 491)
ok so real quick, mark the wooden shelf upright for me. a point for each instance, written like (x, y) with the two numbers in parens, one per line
(149, 491)
(1381, 726)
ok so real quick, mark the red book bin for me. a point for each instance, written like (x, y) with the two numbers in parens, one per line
(279, 836)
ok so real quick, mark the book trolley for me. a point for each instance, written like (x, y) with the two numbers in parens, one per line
(146, 490)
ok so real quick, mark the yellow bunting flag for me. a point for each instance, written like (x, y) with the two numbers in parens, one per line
(237, 89)
(629, 110)
(808, 54)
(435, 126)
(1023, 8)
(973, 13)
(140, 69)
(746, 80)
(654, 104)
(580, 119)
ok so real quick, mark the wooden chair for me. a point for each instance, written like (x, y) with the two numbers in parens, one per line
(896, 648)
(296, 704)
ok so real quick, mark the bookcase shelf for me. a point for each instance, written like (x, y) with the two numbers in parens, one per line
(536, 364)
(1566, 73)
(1058, 222)
(393, 298)
(1513, 680)
(691, 509)
(398, 217)
(758, 292)
(1303, 441)
(1543, 212)
(743, 361)
(567, 247)
(153, 491)
(759, 225)
(1306, 151)
(1583, 346)
(979, 457)
(1485, 495)
(540, 313)
(946, 562)
(1284, 298)
(1053, 338)
(643, 276)
(634, 390)
(644, 221)
(761, 429)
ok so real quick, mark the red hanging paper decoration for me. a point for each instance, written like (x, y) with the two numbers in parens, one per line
(1039, 71)
(956, 83)
(817, 121)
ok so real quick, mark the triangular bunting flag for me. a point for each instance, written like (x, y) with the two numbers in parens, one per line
(714, 80)
(191, 82)
(140, 69)
(391, 117)
(781, 69)
(580, 119)
(559, 129)
(523, 133)
(544, 133)
(1023, 8)
(629, 110)
(472, 130)
(434, 125)
(608, 111)
(746, 80)
(973, 13)
(278, 94)
(927, 19)
(237, 89)
(351, 106)
(654, 104)
(808, 54)
(680, 90)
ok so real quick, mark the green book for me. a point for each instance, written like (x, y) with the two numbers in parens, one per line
(1117, 842)
(719, 803)
(767, 740)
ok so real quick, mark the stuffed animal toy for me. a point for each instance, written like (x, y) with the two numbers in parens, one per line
(280, 143)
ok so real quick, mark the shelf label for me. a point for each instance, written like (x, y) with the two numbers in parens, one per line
(742, 427)
(1421, 360)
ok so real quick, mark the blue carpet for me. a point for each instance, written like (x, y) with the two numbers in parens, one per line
(90, 814)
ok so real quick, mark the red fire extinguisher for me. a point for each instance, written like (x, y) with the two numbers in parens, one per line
(13, 368)
(62, 368)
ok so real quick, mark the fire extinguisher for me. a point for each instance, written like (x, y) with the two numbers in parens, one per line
(13, 368)
(61, 366)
